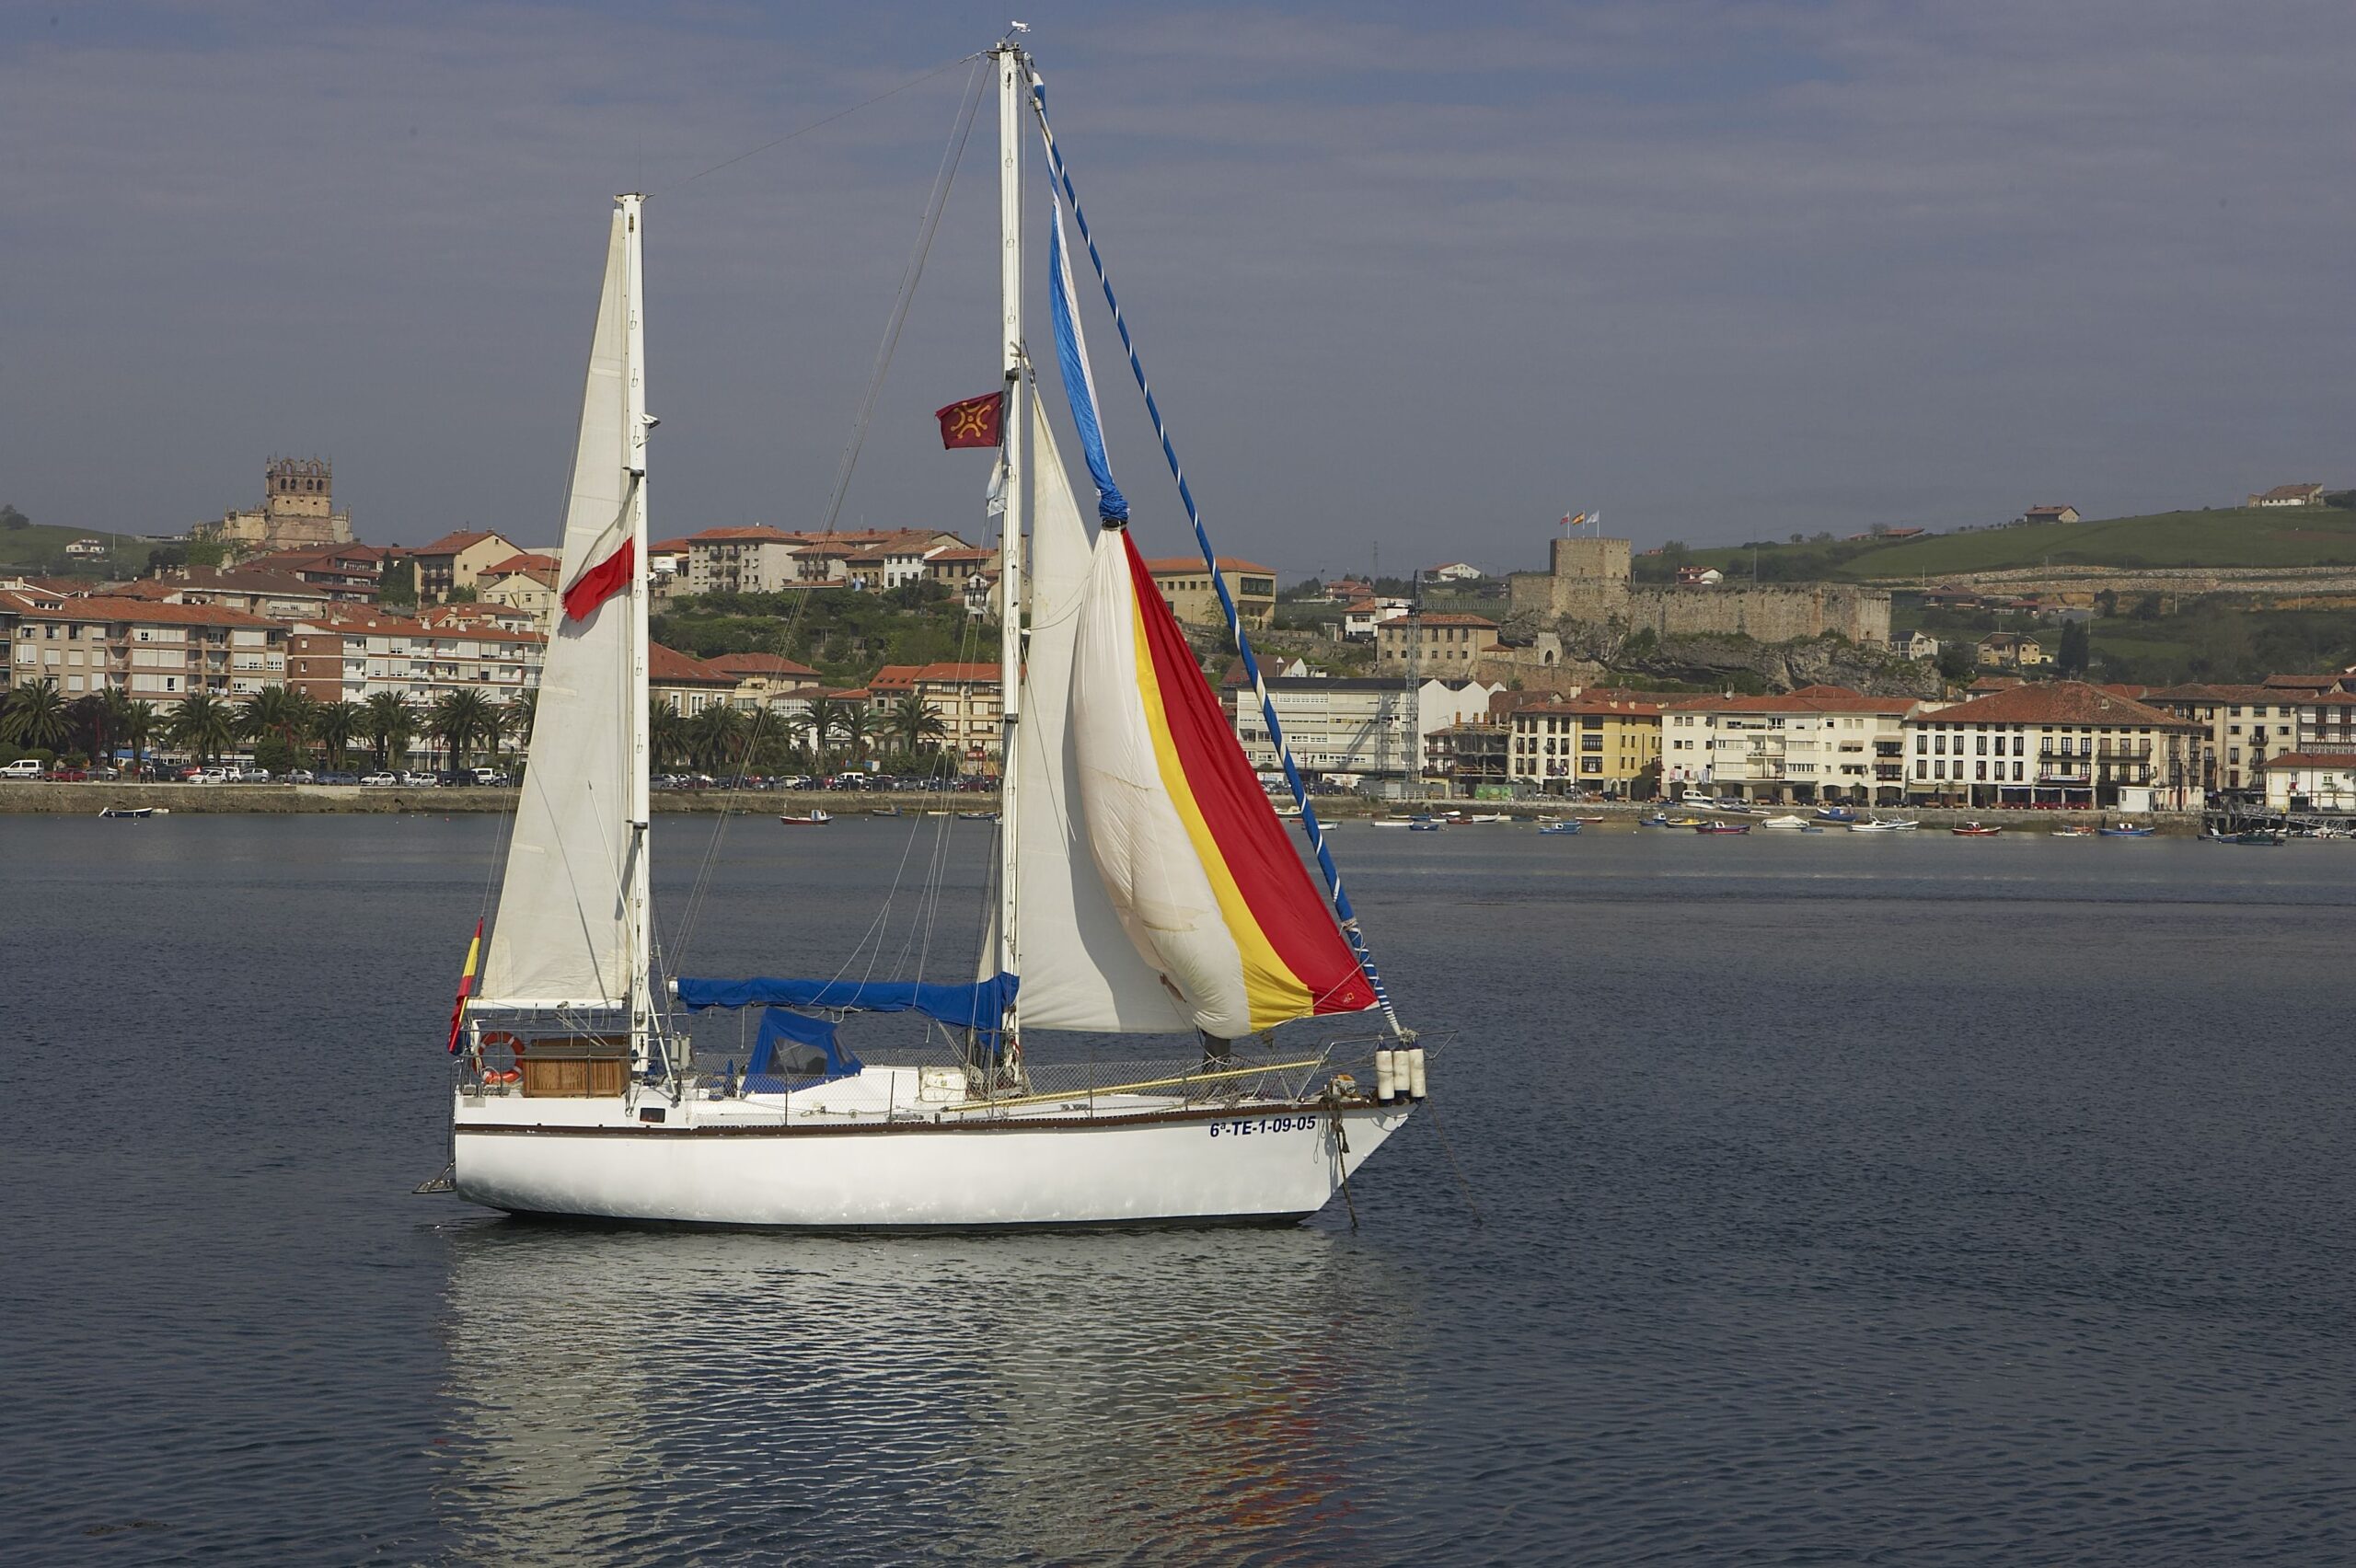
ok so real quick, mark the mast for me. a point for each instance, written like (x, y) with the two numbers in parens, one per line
(637, 784)
(1011, 427)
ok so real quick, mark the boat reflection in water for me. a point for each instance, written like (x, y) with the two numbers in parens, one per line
(658, 1396)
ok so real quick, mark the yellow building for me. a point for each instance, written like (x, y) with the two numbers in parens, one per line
(1604, 744)
(1186, 588)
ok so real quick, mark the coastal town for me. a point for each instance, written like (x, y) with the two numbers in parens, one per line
(296, 653)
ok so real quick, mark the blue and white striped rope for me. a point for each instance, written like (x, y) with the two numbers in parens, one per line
(1059, 177)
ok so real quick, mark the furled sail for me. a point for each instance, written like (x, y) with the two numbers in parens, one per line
(563, 935)
(1192, 858)
(1080, 970)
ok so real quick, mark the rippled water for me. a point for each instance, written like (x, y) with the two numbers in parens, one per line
(1847, 1198)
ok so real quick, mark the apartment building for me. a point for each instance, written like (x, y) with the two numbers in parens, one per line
(967, 701)
(1193, 597)
(2238, 728)
(685, 682)
(150, 652)
(1605, 745)
(458, 560)
(353, 658)
(742, 560)
(1444, 647)
(1819, 743)
(1354, 725)
(2057, 744)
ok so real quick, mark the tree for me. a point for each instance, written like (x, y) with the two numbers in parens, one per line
(2075, 652)
(396, 585)
(824, 718)
(522, 709)
(666, 733)
(390, 724)
(716, 739)
(334, 726)
(135, 726)
(460, 720)
(280, 713)
(204, 725)
(912, 723)
(12, 519)
(1955, 660)
(34, 717)
(851, 722)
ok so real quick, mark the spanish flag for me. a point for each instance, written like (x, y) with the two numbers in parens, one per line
(466, 988)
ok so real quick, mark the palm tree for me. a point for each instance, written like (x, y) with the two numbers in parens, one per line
(93, 724)
(852, 724)
(389, 722)
(278, 711)
(460, 718)
(137, 727)
(34, 717)
(823, 719)
(666, 733)
(522, 709)
(716, 739)
(912, 723)
(333, 725)
(205, 724)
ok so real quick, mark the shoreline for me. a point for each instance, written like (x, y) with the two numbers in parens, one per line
(22, 797)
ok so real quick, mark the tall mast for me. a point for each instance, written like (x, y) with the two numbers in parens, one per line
(1011, 427)
(634, 429)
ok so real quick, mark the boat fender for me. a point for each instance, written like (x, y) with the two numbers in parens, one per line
(1385, 1074)
(1414, 1055)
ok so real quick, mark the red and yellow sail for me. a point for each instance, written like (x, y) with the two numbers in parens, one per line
(1200, 870)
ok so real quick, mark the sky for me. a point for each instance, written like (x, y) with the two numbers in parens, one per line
(1412, 282)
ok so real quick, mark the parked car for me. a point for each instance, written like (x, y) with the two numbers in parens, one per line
(338, 779)
(380, 780)
(419, 780)
(69, 775)
(208, 775)
(104, 774)
(301, 775)
(23, 767)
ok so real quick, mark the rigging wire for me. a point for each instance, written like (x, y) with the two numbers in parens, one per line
(830, 119)
(969, 102)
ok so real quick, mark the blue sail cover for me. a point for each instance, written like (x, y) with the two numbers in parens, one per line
(978, 1006)
(1080, 383)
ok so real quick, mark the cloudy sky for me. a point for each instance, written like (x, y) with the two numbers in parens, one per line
(1415, 278)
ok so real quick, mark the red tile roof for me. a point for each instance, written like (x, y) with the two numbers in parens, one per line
(451, 544)
(141, 611)
(667, 666)
(1445, 620)
(530, 561)
(2311, 759)
(772, 665)
(969, 675)
(759, 534)
(1165, 565)
(1795, 702)
(2059, 702)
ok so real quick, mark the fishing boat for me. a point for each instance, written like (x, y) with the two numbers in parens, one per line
(1480, 817)
(1558, 827)
(135, 813)
(1657, 819)
(1975, 830)
(1427, 824)
(2125, 830)
(1143, 887)
(2073, 830)
(1835, 813)
(1877, 824)
(817, 816)
(1683, 821)
(1722, 827)
(2246, 835)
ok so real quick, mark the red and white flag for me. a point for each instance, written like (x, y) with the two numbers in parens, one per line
(609, 563)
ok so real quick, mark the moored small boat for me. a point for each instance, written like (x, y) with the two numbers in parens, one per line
(1558, 827)
(1787, 823)
(1722, 827)
(1974, 830)
(138, 814)
(1835, 813)
(819, 817)
(2124, 830)
(2075, 830)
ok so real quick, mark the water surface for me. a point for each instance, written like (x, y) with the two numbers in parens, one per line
(1847, 1198)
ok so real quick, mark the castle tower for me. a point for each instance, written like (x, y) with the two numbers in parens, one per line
(298, 511)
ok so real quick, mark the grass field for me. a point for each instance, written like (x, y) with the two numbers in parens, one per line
(2285, 536)
(41, 551)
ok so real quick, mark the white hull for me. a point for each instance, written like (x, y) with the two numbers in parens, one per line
(763, 1161)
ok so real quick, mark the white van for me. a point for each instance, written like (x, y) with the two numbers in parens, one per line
(23, 767)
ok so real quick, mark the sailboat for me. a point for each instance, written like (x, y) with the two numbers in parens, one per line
(1145, 887)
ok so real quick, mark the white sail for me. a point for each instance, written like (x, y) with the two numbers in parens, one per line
(563, 937)
(1151, 872)
(1080, 970)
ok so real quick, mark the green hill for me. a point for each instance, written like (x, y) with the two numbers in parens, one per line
(2246, 537)
(40, 551)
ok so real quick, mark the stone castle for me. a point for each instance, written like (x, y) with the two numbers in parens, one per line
(1589, 580)
(298, 511)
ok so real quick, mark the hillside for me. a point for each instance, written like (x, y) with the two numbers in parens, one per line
(40, 551)
(2233, 537)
